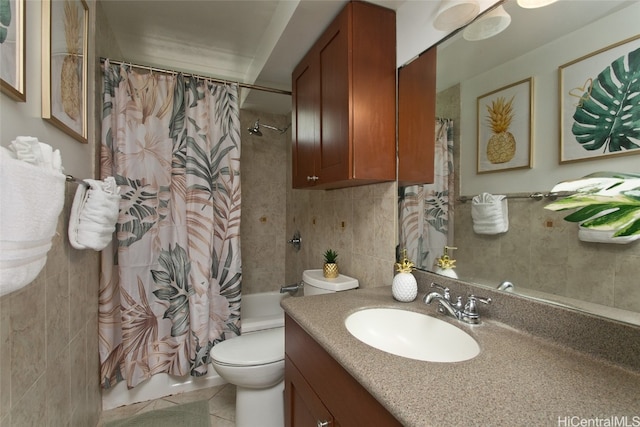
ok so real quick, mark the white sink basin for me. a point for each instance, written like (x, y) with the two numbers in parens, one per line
(412, 335)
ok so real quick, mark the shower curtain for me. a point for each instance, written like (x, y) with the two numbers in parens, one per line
(170, 281)
(425, 214)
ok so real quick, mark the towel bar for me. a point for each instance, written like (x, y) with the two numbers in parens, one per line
(71, 178)
(534, 196)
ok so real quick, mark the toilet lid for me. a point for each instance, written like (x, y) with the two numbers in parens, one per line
(257, 348)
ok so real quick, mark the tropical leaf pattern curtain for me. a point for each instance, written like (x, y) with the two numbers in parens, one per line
(170, 282)
(425, 214)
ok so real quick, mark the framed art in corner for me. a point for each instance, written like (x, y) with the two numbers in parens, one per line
(599, 103)
(64, 65)
(12, 48)
(505, 123)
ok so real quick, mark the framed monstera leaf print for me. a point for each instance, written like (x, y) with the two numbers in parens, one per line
(600, 103)
(12, 49)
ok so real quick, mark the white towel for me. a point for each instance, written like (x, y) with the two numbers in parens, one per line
(94, 214)
(31, 199)
(490, 214)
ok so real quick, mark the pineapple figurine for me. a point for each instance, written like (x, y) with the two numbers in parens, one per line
(502, 145)
(330, 268)
(404, 287)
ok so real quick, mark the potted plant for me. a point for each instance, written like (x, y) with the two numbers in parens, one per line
(607, 202)
(330, 269)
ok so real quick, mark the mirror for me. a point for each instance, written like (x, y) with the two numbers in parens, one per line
(540, 253)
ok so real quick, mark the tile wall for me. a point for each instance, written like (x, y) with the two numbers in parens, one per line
(542, 252)
(49, 367)
(359, 223)
(263, 175)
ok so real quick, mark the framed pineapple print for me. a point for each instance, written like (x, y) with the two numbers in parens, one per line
(64, 65)
(505, 118)
(599, 103)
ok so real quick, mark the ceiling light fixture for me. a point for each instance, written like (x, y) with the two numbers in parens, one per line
(453, 14)
(488, 25)
(533, 4)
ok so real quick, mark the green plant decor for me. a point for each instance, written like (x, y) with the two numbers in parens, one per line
(5, 19)
(330, 256)
(605, 201)
(608, 117)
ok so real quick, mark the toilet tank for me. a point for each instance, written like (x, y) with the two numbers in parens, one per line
(315, 283)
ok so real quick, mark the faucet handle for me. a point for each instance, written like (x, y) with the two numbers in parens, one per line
(458, 304)
(444, 289)
(471, 306)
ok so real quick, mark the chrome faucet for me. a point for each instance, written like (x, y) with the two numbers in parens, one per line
(505, 286)
(468, 312)
(292, 289)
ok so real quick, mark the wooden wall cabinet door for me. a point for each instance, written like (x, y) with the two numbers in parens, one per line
(417, 120)
(305, 123)
(343, 99)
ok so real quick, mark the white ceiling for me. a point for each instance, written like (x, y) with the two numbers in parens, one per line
(249, 41)
(261, 41)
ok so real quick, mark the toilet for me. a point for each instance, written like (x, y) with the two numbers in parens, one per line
(254, 361)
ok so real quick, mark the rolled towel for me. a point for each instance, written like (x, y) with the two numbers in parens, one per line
(94, 214)
(31, 199)
(490, 214)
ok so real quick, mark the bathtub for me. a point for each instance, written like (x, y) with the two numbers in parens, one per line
(258, 311)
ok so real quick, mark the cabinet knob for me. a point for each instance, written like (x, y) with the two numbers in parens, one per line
(312, 178)
(323, 423)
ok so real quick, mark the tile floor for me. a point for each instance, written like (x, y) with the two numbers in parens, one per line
(222, 402)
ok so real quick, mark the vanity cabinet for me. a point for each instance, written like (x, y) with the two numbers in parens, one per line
(417, 120)
(343, 102)
(318, 390)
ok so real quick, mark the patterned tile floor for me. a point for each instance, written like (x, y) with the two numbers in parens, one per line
(222, 400)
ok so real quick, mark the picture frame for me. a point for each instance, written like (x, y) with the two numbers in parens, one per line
(64, 65)
(505, 128)
(587, 130)
(13, 50)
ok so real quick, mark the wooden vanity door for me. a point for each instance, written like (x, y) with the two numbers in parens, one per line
(302, 406)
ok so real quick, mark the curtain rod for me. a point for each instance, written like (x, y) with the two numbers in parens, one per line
(162, 70)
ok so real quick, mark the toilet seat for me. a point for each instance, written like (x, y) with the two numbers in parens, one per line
(254, 349)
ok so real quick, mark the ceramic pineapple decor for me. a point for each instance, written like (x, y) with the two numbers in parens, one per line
(330, 268)
(446, 264)
(404, 287)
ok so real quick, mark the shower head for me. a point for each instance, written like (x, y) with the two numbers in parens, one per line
(255, 130)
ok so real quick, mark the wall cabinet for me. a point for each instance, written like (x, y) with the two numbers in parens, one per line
(318, 390)
(343, 102)
(417, 120)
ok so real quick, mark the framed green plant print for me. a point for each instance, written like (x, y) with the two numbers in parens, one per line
(600, 103)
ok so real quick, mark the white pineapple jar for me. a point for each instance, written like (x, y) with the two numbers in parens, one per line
(404, 287)
(446, 264)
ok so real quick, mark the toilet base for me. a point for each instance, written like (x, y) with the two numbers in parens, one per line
(260, 407)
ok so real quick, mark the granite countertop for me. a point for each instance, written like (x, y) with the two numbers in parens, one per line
(516, 380)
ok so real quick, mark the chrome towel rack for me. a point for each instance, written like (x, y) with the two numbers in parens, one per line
(534, 196)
